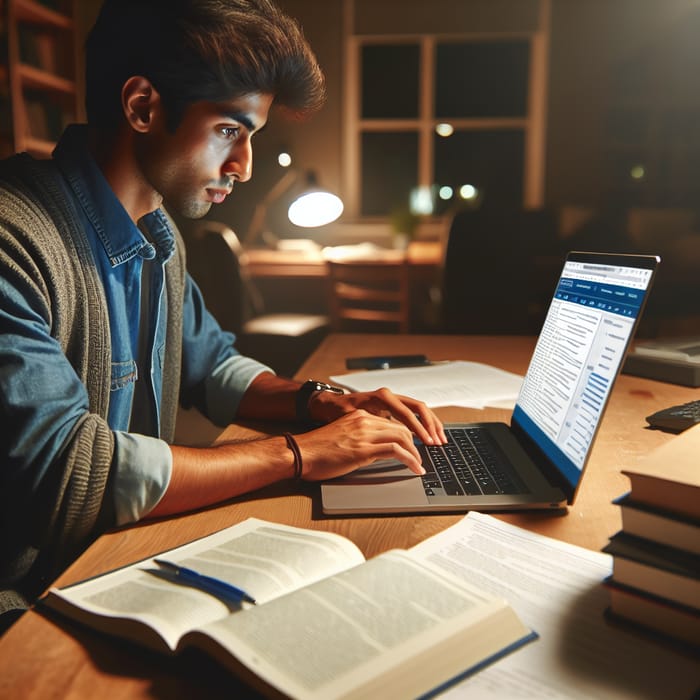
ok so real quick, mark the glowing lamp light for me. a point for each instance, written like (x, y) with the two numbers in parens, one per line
(315, 209)
(284, 159)
(421, 201)
(468, 192)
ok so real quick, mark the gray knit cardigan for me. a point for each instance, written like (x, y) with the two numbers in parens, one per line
(43, 242)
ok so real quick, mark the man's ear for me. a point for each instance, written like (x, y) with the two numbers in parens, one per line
(140, 100)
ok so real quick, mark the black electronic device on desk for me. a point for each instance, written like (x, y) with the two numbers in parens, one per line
(674, 360)
(386, 361)
(676, 418)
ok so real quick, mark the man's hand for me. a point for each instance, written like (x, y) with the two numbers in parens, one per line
(360, 428)
(354, 440)
(325, 407)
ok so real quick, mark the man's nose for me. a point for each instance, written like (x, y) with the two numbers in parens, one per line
(239, 166)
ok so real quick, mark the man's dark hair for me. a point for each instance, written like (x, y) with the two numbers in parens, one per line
(193, 50)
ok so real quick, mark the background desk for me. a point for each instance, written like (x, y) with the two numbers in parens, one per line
(42, 659)
(296, 280)
(265, 262)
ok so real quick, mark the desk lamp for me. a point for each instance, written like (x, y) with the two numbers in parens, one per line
(312, 208)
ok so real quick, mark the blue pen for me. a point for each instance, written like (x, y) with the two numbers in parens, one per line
(215, 586)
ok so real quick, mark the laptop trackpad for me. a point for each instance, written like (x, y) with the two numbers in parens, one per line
(392, 482)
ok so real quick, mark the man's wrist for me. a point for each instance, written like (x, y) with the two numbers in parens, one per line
(306, 392)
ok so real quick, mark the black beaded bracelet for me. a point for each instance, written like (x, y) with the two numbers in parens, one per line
(292, 445)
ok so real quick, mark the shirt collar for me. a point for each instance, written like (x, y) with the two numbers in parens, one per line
(120, 237)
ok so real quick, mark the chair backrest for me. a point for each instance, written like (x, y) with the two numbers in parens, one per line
(218, 264)
(368, 293)
(500, 270)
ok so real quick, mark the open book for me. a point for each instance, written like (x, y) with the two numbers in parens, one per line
(327, 623)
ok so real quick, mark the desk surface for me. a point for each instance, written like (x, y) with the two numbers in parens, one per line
(264, 262)
(40, 658)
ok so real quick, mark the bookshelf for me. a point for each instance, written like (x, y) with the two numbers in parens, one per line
(40, 94)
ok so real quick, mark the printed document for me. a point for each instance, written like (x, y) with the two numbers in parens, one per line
(557, 589)
(459, 383)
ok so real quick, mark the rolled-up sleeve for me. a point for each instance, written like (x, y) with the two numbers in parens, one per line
(226, 385)
(143, 465)
(142, 469)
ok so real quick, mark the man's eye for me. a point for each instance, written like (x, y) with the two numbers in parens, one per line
(230, 132)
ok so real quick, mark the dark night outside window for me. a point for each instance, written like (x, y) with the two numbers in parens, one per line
(472, 80)
(491, 161)
(482, 79)
(390, 81)
(389, 171)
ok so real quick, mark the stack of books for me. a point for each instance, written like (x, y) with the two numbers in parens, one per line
(655, 582)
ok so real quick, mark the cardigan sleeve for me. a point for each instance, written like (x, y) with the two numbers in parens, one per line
(56, 448)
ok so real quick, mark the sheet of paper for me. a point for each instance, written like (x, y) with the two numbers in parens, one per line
(556, 589)
(468, 384)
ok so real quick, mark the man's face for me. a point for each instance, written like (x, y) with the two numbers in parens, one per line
(196, 166)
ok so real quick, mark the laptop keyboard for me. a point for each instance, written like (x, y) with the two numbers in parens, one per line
(470, 463)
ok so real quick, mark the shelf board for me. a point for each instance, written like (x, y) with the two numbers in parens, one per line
(35, 12)
(36, 78)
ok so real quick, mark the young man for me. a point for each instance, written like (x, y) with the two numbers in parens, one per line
(101, 329)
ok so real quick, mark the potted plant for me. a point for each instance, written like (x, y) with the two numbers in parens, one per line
(403, 225)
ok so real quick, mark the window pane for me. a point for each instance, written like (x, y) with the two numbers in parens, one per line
(482, 79)
(490, 161)
(389, 171)
(390, 81)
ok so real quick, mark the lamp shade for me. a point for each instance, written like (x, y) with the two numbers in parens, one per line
(313, 207)
(316, 208)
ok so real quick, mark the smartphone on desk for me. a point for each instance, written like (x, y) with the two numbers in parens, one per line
(386, 361)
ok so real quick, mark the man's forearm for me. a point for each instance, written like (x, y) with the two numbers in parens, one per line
(269, 398)
(202, 476)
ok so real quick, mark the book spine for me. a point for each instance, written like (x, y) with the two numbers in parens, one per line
(661, 527)
(655, 614)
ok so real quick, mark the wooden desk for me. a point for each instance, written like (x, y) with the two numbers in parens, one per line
(264, 262)
(41, 659)
(296, 281)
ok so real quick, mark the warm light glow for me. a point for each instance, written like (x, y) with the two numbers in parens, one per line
(315, 209)
(637, 172)
(284, 159)
(444, 130)
(445, 192)
(468, 192)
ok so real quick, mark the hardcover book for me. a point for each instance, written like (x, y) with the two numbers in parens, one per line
(668, 477)
(660, 526)
(663, 571)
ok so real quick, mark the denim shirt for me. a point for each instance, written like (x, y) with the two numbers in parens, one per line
(126, 255)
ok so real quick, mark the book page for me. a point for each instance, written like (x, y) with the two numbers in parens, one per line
(264, 559)
(556, 588)
(363, 632)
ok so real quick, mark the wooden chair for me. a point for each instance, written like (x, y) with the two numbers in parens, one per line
(369, 295)
(218, 263)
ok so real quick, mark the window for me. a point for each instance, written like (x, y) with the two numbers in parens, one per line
(440, 119)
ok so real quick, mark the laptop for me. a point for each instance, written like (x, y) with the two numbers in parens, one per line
(538, 460)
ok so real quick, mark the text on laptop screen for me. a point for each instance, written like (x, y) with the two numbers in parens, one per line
(579, 352)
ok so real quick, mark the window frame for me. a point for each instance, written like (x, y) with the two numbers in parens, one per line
(533, 123)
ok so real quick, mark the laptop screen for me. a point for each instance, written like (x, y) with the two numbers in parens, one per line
(578, 355)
